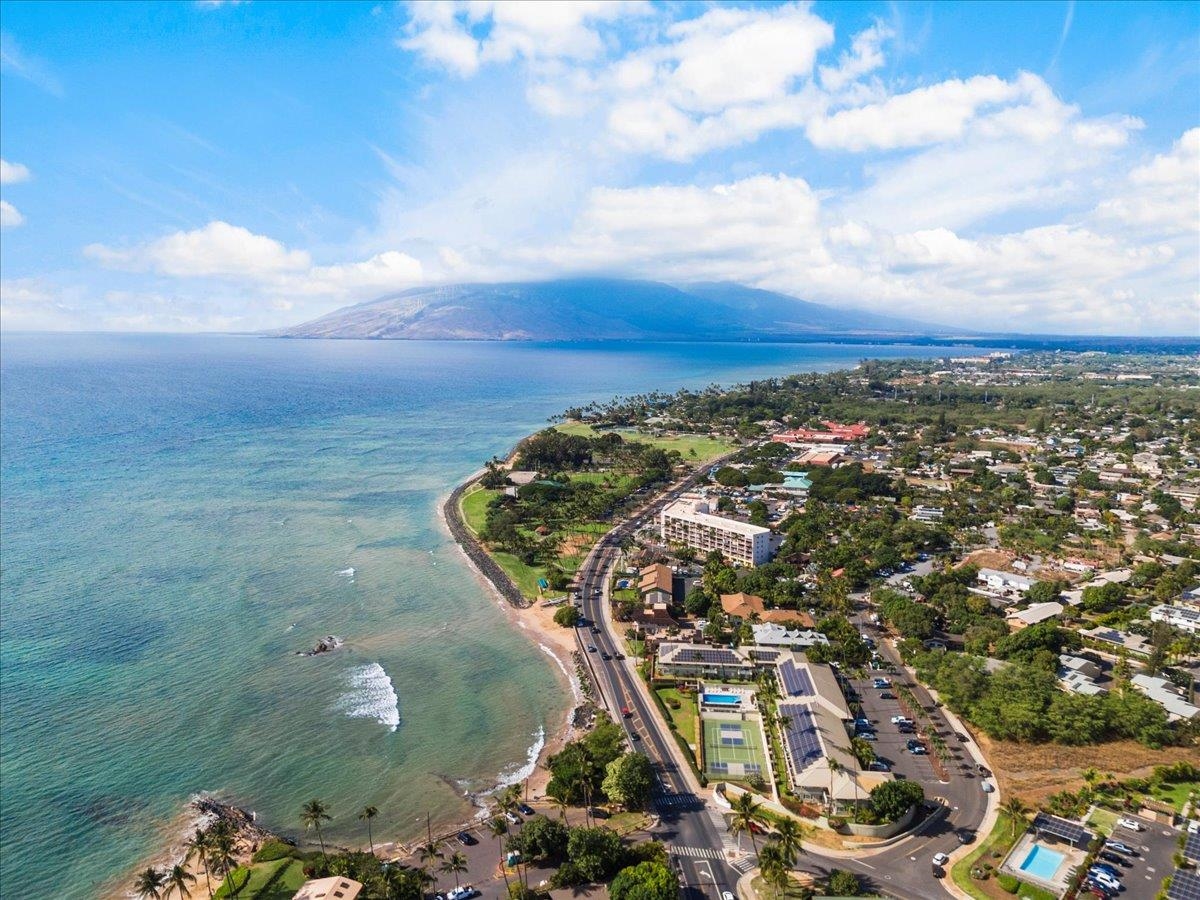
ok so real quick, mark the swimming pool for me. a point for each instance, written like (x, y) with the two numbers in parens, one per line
(721, 699)
(1042, 862)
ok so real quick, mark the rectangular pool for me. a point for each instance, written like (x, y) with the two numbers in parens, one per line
(1042, 862)
(721, 699)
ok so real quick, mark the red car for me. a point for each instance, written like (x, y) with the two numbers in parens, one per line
(626, 712)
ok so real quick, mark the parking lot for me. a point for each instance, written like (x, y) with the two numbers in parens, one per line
(890, 744)
(1156, 844)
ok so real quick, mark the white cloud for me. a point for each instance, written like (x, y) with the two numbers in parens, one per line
(864, 56)
(13, 173)
(218, 250)
(10, 216)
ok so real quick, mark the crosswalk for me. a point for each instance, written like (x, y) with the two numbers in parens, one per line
(678, 801)
(743, 865)
(727, 840)
(695, 852)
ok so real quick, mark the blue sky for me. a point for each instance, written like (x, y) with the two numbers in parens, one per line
(196, 166)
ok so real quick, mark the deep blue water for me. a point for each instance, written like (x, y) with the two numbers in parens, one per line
(181, 513)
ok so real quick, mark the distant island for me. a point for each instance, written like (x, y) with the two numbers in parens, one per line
(600, 309)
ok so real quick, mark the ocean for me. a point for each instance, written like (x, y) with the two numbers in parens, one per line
(182, 514)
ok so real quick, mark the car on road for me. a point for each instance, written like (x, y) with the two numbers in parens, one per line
(940, 859)
(626, 712)
(879, 765)
(965, 835)
(591, 648)
(606, 655)
(635, 736)
(1131, 824)
(595, 629)
(887, 695)
(467, 839)
(988, 787)
(1121, 847)
(725, 895)
(619, 656)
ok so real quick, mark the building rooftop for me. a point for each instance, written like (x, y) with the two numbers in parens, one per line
(697, 511)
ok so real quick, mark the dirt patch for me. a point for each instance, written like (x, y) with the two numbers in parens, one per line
(989, 559)
(1035, 771)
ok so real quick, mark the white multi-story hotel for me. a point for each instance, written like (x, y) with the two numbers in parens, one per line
(689, 522)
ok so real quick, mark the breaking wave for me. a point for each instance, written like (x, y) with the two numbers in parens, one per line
(517, 775)
(371, 696)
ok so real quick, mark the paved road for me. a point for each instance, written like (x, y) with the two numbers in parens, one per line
(702, 849)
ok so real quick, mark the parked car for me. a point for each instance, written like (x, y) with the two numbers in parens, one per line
(861, 722)
(1131, 824)
(1121, 847)
(1114, 858)
(513, 818)
(901, 720)
(983, 770)
(879, 765)
(620, 656)
(467, 839)
(1104, 880)
(626, 712)
(525, 809)
(940, 859)
(988, 787)
(887, 695)
(868, 735)
(1106, 868)
(965, 835)
(919, 750)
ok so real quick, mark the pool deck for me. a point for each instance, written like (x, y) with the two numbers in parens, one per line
(1060, 881)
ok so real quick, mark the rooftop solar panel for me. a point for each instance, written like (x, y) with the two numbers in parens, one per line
(800, 735)
(1064, 829)
(765, 655)
(1185, 885)
(1191, 847)
(796, 682)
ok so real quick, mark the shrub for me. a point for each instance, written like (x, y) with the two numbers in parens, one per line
(272, 850)
(1008, 882)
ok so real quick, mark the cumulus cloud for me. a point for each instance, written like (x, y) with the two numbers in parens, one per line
(218, 250)
(10, 216)
(12, 173)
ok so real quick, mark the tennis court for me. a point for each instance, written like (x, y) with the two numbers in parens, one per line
(733, 749)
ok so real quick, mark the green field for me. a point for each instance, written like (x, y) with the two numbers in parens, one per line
(695, 448)
(737, 760)
(684, 718)
(999, 841)
(474, 505)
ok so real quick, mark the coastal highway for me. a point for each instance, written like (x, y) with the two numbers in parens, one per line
(702, 850)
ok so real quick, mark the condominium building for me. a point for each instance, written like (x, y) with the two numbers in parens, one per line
(690, 523)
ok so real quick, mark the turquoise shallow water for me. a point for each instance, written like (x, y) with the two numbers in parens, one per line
(181, 514)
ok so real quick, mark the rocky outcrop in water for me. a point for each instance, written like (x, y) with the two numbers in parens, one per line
(327, 644)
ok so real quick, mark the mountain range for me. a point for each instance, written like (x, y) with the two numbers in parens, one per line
(597, 309)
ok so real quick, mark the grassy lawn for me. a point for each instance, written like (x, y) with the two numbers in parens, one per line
(288, 883)
(1000, 840)
(683, 718)
(694, 448)
(1175, 794)
(474, 507)
(525, 577)
(627, 822)
(1103, 820)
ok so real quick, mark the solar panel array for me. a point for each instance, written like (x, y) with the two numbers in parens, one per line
(1191, 847)
(1064, 829)
(765, 655)
(796, 682)
(800, 735)
(1185, 885)
(714, 655)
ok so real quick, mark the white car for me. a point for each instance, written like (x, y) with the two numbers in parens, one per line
(725, 895)
(901, 720)
(988, 787)
(940, 859)
(1131, 824)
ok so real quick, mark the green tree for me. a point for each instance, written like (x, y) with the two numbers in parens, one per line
(368, 813)
(774, 867)
(497, 827)
(179, 880)
(541, 838)
(789, 836)
(567, 616)
(198, 848)
(594, 852)
(843, 884)
(747, 816)
(892, 799)
(629, 780)
(645, 881)
(223, 838)
(149, 883)
(455, 865)
(1016, 809)
(312, 814)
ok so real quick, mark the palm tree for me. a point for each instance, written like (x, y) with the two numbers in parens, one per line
(223, 844)
(367, 814)
(455, 865)
(178, 879)
(498, 827)
(429, 854)
(774, 867)
(1015, 807)
(746, 817)
(834, 768)
(198, 848)
(312, 814)
(789, 835)
(149, 883)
